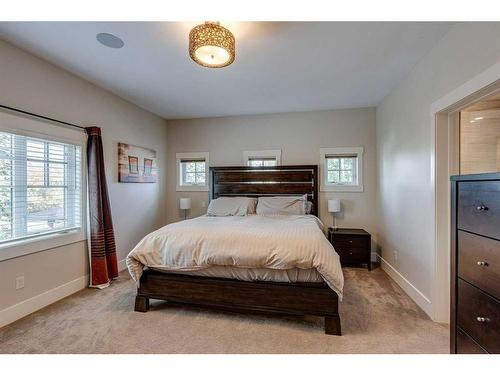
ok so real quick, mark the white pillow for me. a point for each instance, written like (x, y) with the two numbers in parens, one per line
(282, 205)
(231, 206)
(309, 207)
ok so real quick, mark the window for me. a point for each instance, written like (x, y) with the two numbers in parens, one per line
(266, 158)
(261, 162)
(40, 186)
(192, 171)
(342, 169)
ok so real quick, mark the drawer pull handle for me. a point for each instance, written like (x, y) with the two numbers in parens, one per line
(482, 263)
(481, 208)
(480, 319)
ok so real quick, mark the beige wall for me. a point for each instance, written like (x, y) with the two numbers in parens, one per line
(405, 182)
(32, 84)
(299, 136)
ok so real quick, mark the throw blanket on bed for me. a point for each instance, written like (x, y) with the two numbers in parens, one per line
(254, 241)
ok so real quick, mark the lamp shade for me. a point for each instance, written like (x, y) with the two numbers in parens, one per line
(185, 203)
(334, 205)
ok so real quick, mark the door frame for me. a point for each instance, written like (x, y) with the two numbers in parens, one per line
(443, 160)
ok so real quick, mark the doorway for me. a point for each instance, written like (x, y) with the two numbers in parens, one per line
(463, 125)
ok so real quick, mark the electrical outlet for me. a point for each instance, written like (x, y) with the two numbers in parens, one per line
(203, 204)
(19, 282)
(395, 255)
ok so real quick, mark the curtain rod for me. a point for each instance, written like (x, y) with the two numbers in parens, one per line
(42, 117)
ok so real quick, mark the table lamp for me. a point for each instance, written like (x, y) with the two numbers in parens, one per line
(185, 204)
(333, 207)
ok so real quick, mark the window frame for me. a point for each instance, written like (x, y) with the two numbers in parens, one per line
(339, 152)
(264, 154)
(180, 156)
(28, 127)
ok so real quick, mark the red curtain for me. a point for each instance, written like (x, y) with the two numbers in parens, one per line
(102, 248)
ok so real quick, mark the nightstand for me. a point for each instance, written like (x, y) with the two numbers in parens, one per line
(353, 245)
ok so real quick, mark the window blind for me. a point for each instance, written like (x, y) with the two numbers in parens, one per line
(271, 158)
(261, 161)
(40, 186)
(340, 156)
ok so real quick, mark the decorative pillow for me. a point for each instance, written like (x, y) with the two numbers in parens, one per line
(282, 205)
(252, 206)
(309, 207)
(231, 206)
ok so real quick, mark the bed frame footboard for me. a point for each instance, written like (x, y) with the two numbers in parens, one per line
(242, 296)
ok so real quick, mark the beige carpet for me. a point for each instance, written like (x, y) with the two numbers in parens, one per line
(377, 317)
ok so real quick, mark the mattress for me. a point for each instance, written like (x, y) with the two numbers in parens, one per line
(293, 275)
(277, 247)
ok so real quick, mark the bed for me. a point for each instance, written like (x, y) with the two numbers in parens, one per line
(266, 264)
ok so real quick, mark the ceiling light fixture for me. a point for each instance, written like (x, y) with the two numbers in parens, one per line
(211, 45)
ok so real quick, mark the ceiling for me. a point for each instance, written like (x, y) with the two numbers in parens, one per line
(279, 66)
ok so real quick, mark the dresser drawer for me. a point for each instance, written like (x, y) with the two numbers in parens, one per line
(478, 315)
(479, 262)
(465, 345)
(478, 208)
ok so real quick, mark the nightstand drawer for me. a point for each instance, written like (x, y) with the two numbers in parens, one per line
(353, 254)
(350, 241)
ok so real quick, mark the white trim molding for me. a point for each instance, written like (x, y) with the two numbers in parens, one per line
(449, 102)
(48, 241)
(328, 151)
(29, 306)
(420, 298)
(275, 154)
(191, 155)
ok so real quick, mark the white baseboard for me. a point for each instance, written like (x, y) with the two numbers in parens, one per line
(29, 306)
(122, 265)
(26, 307)
(416, 295)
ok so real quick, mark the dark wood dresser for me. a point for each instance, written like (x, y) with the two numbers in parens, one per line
(352, 245)
(475, 264)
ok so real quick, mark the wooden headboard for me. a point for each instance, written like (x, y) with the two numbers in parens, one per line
(266, 181)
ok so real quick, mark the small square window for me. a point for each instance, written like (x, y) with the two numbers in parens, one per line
(265, 158)
(341, 169)
(261, 162)
(192, 171)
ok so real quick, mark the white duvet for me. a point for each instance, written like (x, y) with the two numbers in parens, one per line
(253, 241)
